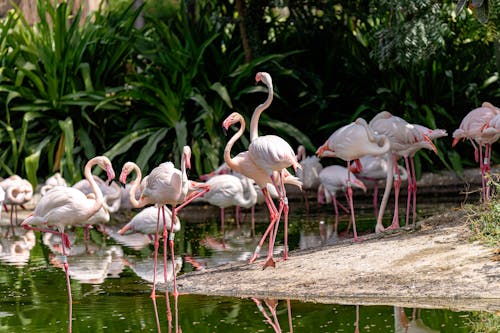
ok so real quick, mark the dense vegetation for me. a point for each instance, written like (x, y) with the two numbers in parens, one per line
(73, 87)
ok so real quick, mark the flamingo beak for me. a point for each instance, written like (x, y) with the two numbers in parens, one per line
(359, 184)
(124, 229)
(321, 150)
(111, 173)
(433, 147)
(455, 141)
(123, 177)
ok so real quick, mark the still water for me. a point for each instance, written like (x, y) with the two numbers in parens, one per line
(111, 284)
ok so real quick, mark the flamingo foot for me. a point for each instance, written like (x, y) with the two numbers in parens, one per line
(269, 262)
(255, 255)
(379, 229)
(393, 226)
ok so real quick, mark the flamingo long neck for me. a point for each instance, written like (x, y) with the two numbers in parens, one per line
(230, 143)
(251, 198)
(254, 122)
(185, 181)
(137, 181)
(99, 198)
(387, 191)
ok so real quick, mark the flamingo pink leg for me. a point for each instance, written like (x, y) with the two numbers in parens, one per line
(155, 260)
(397, 186)
(165, 275)
(412, 164)
(410, 190)
(68, 284)
(351, 204)
(222, 223)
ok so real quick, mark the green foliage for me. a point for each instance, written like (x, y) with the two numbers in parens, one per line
(58, 85)
(484, 219)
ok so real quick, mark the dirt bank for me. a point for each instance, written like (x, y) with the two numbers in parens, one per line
(434, 266)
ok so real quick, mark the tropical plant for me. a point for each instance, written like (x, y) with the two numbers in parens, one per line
(59, 92)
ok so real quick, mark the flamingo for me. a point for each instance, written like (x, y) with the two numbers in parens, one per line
(244, 164)
(350, 143)
(18, 191)
(145, 222)
(51, 182)
(309, 174)
(227, 190)
(272, 153)
(406, 139)
(335, 178)
(165, 185)
(65, 206)
(471, 128)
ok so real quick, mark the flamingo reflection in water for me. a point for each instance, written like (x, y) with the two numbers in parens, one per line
(145, 270)
(16, 250)
(272, 304)
(416, 325)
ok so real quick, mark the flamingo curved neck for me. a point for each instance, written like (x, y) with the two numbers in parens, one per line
(15, 198)
(251, 198)
(137, 181)
(99, 198)
(254, 122)
(230, 143)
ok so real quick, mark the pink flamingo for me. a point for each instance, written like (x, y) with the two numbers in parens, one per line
(228, 190)
(471, 128)
(309, 173)
(65, 206)
(145, 222)
(18, 191)
(406, 139)
(350, 143)
(243, 163)
(272, 153)
(335, 178)
(165, 185)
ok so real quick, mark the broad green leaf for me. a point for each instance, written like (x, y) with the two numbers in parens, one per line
(150, 147)
(126, 143)
(222, 91)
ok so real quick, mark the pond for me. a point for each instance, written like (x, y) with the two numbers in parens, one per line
(111, 283)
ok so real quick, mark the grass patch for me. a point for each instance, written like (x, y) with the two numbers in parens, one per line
(484, 220)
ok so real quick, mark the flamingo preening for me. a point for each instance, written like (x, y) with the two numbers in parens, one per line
(472, 128)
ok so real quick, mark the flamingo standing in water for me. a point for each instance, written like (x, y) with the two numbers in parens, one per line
(350, 143)
(471, 129)
(335, 178)
(243, 163)
(18, 191)
(65, 206)
(228, 190)
(272, 153)
(165, 185)
(309, 174)
(406, 139)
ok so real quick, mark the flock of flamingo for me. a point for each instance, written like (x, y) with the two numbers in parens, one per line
(371, 151)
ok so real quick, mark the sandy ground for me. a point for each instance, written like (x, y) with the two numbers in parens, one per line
(433, 266)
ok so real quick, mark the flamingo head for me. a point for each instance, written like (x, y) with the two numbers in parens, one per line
(126, 170)
(186, 155)
(233, 118)
(325, 151)
(265, 78)
(359, 184)
(106, 165)
(301, 153)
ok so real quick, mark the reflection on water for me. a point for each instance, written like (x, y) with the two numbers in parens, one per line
(111, 278)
